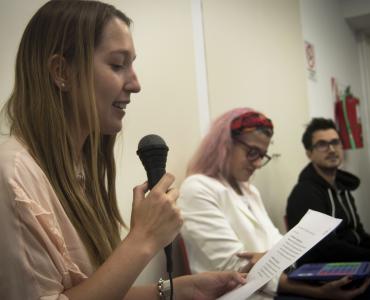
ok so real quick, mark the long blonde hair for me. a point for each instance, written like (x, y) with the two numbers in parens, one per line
(45, 118)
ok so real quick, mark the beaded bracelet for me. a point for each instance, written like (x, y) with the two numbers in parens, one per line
(164, 289)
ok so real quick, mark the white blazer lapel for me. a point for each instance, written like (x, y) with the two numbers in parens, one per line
(243, 207)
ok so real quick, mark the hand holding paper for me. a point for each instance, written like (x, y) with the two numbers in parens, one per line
(312, 228)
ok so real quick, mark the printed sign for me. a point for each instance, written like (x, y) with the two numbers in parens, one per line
(310, 60)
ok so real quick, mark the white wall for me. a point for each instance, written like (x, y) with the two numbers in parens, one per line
(337, 55)
(14, 16)
(254, 58)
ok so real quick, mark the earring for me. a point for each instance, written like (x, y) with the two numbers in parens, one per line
(63, 85)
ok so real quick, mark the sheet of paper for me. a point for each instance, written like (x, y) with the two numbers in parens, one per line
(312, 228)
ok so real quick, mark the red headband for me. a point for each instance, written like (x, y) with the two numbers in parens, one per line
(250, 121)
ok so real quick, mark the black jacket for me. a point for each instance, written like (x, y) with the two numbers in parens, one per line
(349, 242)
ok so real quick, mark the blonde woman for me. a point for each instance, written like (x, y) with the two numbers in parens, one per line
(58, 209)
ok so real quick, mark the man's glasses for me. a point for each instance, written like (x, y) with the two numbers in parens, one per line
(253, 154)
(323, 146)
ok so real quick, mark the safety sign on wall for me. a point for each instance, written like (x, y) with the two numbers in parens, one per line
(310, 60)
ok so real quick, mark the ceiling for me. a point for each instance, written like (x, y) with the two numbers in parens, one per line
(357, 14)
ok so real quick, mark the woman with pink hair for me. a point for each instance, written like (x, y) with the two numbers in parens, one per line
(226, 226)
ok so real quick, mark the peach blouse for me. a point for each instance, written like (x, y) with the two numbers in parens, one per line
(41, 254)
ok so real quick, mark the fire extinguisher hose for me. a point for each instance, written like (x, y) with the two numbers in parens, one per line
(346, 120)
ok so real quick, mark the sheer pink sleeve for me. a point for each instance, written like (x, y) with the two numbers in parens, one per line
(41, 253)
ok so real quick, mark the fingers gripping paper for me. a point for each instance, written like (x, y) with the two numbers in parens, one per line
(312, 228)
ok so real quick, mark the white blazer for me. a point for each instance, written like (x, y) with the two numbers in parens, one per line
(218, 223)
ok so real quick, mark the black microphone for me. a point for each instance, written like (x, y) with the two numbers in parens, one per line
(152, 150)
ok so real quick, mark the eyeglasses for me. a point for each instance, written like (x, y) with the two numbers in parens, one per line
(323, 146)
(253, 153)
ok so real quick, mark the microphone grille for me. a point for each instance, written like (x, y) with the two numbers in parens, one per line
(151, 140)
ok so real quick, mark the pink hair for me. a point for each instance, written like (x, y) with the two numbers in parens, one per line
(213, 154)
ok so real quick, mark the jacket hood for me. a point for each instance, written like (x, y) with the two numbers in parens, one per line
(344, 179)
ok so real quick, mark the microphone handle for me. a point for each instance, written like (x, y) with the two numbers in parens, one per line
(168, 252)
(154, 175)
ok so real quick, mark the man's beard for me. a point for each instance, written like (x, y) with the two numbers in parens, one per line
(329, 170)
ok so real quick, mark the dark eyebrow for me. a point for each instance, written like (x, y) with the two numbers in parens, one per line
(321, 140)
(327, 141)
(253, 147)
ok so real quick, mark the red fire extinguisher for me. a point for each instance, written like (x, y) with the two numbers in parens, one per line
(347, 116)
